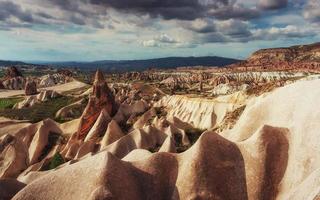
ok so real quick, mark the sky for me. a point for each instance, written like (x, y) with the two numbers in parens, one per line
(88, 30)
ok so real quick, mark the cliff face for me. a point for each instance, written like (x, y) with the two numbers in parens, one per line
(302, 57)
(302, 53)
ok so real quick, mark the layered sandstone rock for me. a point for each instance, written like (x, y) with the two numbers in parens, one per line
(30, 88)
(31, 100)
(270, 153)
(300, 58)
(15, 83)
(12, 72)
(200, 113)
(26, 146)
(101, 99)
(264, 156)
(53, 79)
(112, 134)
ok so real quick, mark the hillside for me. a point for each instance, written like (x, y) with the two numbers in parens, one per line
(11, 63)
(300, 57)
(140, 65)
(300, 53)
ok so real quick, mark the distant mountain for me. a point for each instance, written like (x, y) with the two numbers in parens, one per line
(140, 65)
(11, 63)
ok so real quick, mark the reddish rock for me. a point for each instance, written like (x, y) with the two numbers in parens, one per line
(30, 88)
(102, 98)
(1, 85)
(65, 72)
(12, 72)
(296, 58)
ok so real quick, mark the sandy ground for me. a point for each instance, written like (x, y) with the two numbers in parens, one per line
(59, 88)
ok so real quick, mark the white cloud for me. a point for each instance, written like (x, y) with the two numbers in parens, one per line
(289, 31)
(312, 11)
(151, 43)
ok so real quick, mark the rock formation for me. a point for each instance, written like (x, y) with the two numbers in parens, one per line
(37, 98)
(101, 99)
(299, 58)
(180, 147)
(30, 88)
(12, 72)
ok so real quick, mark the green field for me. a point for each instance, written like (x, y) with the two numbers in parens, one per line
(7, 103)
(37, 112)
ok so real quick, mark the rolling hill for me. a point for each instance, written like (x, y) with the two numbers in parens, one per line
(140, 65)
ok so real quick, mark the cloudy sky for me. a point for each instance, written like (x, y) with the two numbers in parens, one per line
(85, 30)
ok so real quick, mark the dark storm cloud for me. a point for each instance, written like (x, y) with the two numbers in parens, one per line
(273, 4)
(209, 21)
(166, 9)
(205, 25)
(235, 29)
(235, 12)
(94, 12)
(9, 9)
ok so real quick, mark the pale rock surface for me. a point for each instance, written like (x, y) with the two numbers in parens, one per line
(168, 146)
(293, 107)
(70, 110)
(38, 98)
(112, 134)
(100, 126)
(200, 113)
(272, 152)
(40, 139)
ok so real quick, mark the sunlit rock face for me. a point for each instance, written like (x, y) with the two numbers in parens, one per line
(42, 96)
(234, 146)
(302, 58)
(263, 157)
(101, 99)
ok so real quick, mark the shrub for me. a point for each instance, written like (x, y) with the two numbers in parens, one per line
(55, 161)
(38, 111)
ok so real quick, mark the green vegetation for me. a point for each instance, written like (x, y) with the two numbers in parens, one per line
(55, 161)
(53, 140)
(39, 111)
(8, 103)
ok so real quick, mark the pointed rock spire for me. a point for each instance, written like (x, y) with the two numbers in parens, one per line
(101, 99)
(112, 134)
(99, 126)
(168, 146)
(99, 77)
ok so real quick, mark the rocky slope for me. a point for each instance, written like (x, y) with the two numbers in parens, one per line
(302, 58)
(158, 150)
(14, 80)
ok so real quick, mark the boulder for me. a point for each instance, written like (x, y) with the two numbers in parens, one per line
(30, 88)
